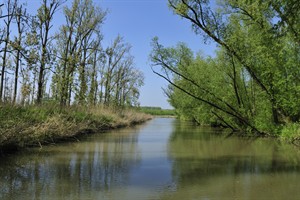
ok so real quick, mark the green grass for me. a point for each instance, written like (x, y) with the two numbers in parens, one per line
(37, 125)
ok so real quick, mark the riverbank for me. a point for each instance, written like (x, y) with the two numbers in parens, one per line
(31, 126)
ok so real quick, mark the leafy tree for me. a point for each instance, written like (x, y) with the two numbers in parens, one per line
(44, 19)
(82, 71)
(114, 54)
(75, 42)
(121, 78)
(96, 61)
(251, 84)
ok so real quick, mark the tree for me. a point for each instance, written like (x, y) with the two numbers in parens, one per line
(127, 81)
(75, 42)
(18, 45)
(81, 71)
(11, 7)
(96, 61)
(45, 17)
(256, 60)
(246, 18)
(114, 54)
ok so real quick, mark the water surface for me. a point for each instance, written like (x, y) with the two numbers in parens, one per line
(162, 159)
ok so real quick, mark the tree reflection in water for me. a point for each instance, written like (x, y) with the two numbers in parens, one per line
(209, 165)
(164, 160)
(71, 171)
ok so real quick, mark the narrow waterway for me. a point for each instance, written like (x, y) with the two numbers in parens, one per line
(162, 159)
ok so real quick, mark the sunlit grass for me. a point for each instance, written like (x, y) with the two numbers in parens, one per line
(37, 125)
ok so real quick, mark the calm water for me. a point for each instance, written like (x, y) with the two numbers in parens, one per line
(162, 159)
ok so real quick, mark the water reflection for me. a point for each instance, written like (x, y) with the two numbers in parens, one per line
(73, 171)
(208, 165)
(163, 159)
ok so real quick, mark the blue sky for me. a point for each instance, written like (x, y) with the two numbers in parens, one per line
(138, 21)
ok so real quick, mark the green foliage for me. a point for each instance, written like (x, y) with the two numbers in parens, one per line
(252, 84)
(290, 132)
(157, 111)
(181, 9)
(82, 71)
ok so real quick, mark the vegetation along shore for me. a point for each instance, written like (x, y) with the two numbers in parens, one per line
(251, 85)
(33, 126)
(157, 111)
(59, 80)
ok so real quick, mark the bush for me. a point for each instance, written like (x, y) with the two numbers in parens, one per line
(290, 132)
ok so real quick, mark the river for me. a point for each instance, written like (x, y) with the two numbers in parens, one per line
(161, 159)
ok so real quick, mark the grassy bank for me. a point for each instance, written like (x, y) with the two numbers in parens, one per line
(38, 125)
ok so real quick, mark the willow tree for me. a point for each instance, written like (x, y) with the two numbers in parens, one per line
(259, 45)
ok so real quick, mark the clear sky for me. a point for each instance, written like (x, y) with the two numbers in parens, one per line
(138, 21)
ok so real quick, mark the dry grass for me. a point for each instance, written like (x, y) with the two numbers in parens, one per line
(35, 126)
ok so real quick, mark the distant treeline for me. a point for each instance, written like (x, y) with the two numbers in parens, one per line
(157, 111)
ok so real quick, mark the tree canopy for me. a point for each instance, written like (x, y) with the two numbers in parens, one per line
(66, 65)
(252, 84)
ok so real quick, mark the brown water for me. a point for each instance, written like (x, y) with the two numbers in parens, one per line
(163, 159)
